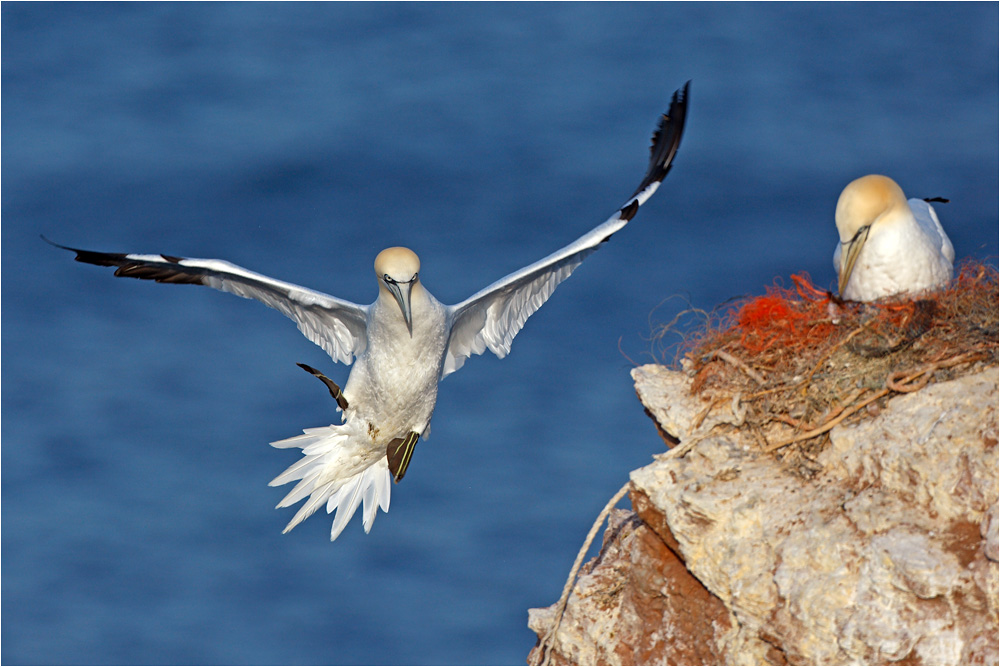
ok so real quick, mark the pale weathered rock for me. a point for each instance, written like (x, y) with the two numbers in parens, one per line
(888, 555)
(667, 397)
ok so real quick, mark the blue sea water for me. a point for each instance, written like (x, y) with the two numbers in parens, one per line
(297, 140)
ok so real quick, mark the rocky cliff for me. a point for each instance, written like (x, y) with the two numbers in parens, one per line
(878, 547)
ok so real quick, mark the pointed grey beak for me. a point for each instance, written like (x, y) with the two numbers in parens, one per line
(851, 257)
(401, 292)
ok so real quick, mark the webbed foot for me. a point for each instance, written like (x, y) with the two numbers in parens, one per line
(330, 384)
(399, 451)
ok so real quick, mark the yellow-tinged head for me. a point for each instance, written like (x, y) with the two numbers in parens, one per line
(864, 202)
(400, 264)
(398, 270)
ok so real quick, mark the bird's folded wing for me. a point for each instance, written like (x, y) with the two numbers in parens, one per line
(927, 218)
(336, 325)
(493, 316)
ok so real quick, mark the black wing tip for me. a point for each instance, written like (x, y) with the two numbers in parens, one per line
(666, 138)
(90, 256)
(675, 114)
(684, 92)
(671, 123)
(57, 245)
(937, 200)
(132, 268)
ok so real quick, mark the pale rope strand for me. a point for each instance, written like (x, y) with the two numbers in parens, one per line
(546, 644)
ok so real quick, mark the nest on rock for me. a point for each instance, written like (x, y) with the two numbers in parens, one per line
(797, 361)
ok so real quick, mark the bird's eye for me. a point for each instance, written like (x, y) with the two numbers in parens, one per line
(387, 279)
(857, 234)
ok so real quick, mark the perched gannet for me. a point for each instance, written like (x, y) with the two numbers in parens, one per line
(402, 345)
(888, 245)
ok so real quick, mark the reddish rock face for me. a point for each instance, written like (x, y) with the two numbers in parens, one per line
(678, 618)
(636, 603)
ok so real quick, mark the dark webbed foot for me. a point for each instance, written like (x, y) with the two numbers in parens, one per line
(330, 384)
(399, 452)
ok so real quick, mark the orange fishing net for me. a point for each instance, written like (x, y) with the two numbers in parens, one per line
(799, 360)
(789, 318)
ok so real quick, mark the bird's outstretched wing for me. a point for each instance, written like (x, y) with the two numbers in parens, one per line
(336, 325)
(493, 316)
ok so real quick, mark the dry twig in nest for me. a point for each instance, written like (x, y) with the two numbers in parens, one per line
(802, 359)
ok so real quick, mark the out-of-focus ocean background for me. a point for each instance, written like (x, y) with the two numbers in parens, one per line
(298, 140)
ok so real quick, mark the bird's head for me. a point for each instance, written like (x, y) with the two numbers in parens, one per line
(398, 270)
(865, 202)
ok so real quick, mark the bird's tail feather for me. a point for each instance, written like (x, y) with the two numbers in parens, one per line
(333, 472)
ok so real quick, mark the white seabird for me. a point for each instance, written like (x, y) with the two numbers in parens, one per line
(402, 345)
(888, 245)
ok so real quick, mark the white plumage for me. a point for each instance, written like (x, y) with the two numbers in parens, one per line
(888, 245)
(401, 345)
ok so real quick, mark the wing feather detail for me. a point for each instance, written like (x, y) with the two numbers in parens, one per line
(335, 325)
(491, 318)
(927, 219)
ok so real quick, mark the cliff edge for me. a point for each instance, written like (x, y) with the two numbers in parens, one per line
(871, 540)
(888, 556)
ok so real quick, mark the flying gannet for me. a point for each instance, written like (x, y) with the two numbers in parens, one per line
(402, 345)
(888, 245)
